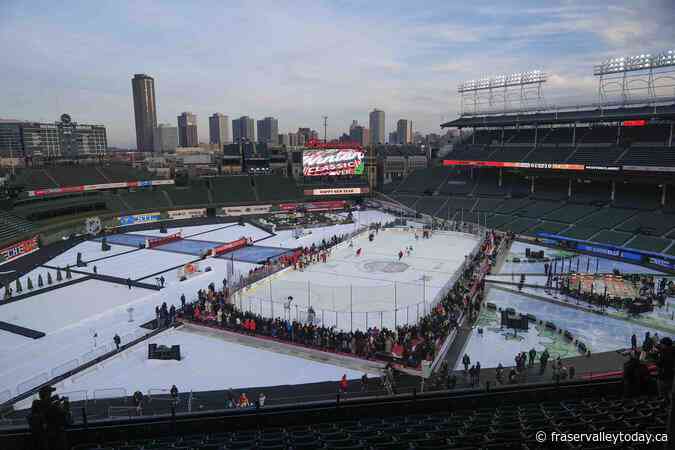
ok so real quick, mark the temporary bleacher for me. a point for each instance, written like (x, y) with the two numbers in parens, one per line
(276, 187)
(232, 189)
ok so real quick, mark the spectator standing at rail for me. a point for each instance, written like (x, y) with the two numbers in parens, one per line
(343, 384)
(117, 341)
(174, 394)
(664, 362)
(466, 361)
(129, 283)
(364, 383)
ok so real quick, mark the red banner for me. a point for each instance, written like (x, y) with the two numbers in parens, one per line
(326, 206)
(97, 187)
(517, 165)
(634, 123)
(229, 247)
(151, 243)
(18, 250)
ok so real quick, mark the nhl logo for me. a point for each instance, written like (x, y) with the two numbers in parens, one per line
(92, 225)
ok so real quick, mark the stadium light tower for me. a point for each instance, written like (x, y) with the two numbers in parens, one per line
(631, 75)
(501, 90)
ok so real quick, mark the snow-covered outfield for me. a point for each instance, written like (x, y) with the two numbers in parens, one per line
(207, 363)
(70, 316)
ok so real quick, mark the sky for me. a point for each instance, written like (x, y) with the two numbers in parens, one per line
(299, 61)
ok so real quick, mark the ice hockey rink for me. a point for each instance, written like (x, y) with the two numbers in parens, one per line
(357, 292)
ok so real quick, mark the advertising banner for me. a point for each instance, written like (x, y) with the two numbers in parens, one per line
(246, 210)
(96, 187)
(123, 221)
(325, 206)
(14, 251)
(228, 247)
(515, 165)
(187, 213)
(337, 191)
(335, 161)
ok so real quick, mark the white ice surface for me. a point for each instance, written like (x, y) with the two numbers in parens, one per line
(60, 308)
(9, 340)
(346, 287)
(90, 250)
(207, 363)
(187, 231)
(138, 264)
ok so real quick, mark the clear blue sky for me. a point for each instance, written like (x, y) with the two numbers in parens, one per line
(301, 60)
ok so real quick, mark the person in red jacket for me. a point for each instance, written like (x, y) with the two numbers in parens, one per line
(343, 384)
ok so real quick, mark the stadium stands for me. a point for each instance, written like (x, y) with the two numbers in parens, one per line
(457, 184)
(649, 243)
(583, 233)
(423, 180)
(595, 155)
(145, 199)
(595, 193)
(510, 154)
(650, 223)
(649, 156)
(12, 227)
(488, 184)
(275, 187)
(606, 218)
(118, 172)
(488, 204)
(550, 189)
(597, 135)
(45, 209)
(518, 226)
(430, 205)
(570, 213)
(549, 154)
(232, 189)
(611, 237)
(636, 196)
(407, 200)
(195, 194)
(558, 135)
(538, 209)
(76, 175)
(511, 205)
(35, 179)
(548, 227)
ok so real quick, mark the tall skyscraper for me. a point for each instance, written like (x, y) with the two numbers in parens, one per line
(243, 129)
(219, 129)
(145, 110)
(377, 128)
(187, 130)
(268, 131)
(165, 138)
(360, 135)
(393, 139)
(404, 133)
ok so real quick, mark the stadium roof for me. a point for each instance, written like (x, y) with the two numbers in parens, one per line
(666, 112)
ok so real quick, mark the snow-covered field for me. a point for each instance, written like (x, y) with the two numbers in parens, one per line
(232, 233)
(207, 363)
(70, 316)
(187, 231)
(347, 287)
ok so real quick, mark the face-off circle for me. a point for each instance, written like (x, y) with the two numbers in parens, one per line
(384, 266)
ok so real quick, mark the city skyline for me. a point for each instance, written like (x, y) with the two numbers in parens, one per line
(407, 64)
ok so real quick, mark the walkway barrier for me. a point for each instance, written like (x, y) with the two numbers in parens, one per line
(100, 394)
(123, 411)
(65, 367)
(32, 382)
(95, 353)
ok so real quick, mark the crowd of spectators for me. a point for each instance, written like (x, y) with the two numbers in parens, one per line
(407, 344)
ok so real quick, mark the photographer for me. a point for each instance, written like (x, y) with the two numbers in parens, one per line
(48, 418)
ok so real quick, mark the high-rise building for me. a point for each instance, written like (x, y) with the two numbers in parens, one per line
(63, 138)
(393, 138)
(145, 110)
(165, 138)
(377, 128)
(243, 129)
(360, 135)
(219, 129)
(187, 130)
(268, 131)
(404, 132)
(284, 139)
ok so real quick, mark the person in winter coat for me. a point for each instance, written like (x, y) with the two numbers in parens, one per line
(344, 384)
(117, 340)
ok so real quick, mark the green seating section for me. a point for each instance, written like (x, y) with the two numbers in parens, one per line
(406, 200)
(548, 227)
(121, 172)
(488, 204)
(538, 209)
(234, 189)
(12, 227)
(197, 194)
(275, 187)
(423, 180)
(570, 213)
(43, 209)
(606, 218)
(650, 223)
(649, 243)
(76, 175)
(429, 205)
(520, 225)
(582, 233)
(34, 179)
(611, 237)
(511, 205)
(146, 199)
